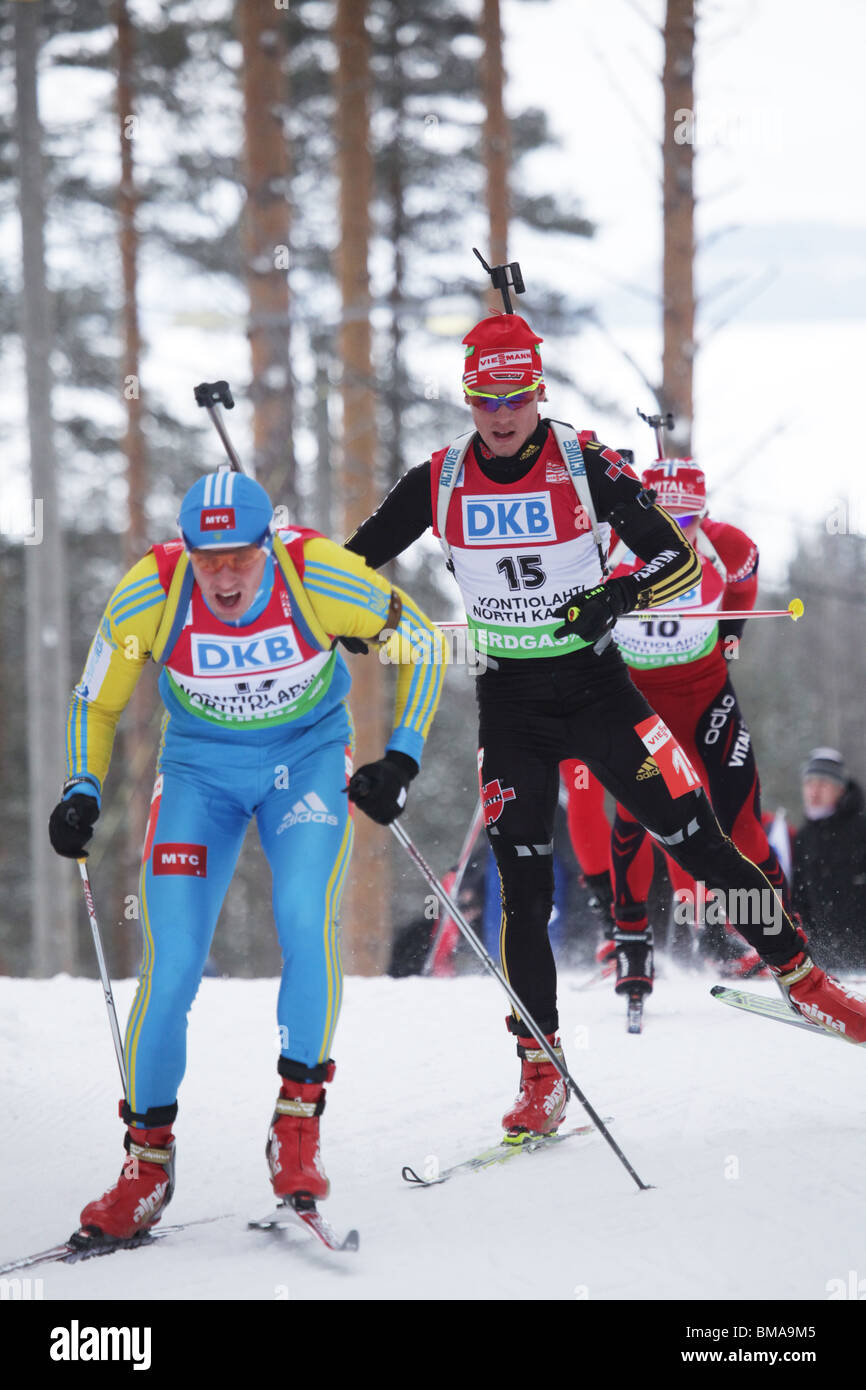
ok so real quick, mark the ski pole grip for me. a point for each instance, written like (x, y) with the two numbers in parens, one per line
(211, 393)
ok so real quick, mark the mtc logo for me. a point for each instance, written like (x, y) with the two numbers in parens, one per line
(491, 520)
(224, 656)
(189, 860)
(218, 520)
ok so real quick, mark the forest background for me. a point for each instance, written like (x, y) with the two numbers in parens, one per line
(287, 196)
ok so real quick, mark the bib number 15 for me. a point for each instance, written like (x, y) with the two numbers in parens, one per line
(522, 571)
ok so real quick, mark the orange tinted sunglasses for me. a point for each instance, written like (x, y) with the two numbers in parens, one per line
(239, 560)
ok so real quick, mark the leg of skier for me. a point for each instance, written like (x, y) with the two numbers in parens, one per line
(519, 794)
(731, 778)
(194, 835)
(632, 936)
(681, 819)
(306, 833)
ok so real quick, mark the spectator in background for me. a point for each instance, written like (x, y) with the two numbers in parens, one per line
(830, 862)
(413, 942)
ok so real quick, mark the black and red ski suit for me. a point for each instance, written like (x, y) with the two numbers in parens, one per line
(697, 701)
(536, 712)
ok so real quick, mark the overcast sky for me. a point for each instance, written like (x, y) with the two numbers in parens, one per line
(781, 127)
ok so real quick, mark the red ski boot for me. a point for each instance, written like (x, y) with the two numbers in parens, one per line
(141, 1193)
(540, 1104)
(292, 1149)
(820, 999)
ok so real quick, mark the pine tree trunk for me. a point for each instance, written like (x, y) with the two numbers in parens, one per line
(496, 138)
(678, 290)
(396, 390)
(366, 932)
(266, 245)
(322, 518)
(47, 679)
(138, 736)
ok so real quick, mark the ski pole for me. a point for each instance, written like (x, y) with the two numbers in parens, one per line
(489, 965)
(795, 610)
(462, 865)
(211, 395)
(103, 971)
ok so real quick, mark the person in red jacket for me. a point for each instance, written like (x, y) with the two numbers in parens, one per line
(682, 666)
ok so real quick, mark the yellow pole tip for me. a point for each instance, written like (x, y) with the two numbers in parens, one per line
(795, 608)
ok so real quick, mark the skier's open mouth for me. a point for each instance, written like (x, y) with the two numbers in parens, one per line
(229, 600)
(504, 436)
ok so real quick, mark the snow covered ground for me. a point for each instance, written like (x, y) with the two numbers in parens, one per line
(751, 1134)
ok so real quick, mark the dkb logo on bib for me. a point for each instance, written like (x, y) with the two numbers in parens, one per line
(492, 520)
(213, 655)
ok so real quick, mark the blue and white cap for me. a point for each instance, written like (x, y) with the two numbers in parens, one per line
(223, 510)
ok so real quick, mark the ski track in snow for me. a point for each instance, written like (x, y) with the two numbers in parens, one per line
(750, 1132)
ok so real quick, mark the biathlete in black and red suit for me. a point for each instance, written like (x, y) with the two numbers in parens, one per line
(523, 507)
(682, 667)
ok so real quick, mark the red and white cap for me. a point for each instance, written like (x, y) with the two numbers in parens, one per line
(502, 355)
(679, 485)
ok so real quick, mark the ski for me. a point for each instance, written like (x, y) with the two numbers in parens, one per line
(499, 1153)
(775, 1009)
(634, 1018)
(304, 1213)
(78, 1247)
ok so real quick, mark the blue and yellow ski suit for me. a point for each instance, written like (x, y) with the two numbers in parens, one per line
(257, 724)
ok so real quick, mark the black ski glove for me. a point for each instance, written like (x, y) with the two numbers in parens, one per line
(71, 825)
(591, 613)
(380, 788)
(356, 645)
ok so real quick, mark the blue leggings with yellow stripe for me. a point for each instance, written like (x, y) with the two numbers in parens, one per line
(207, 790)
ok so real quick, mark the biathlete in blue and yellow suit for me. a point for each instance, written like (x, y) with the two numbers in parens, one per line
(242, 619)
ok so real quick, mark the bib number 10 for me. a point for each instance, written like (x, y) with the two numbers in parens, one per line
(522, 571)
(660, 627)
